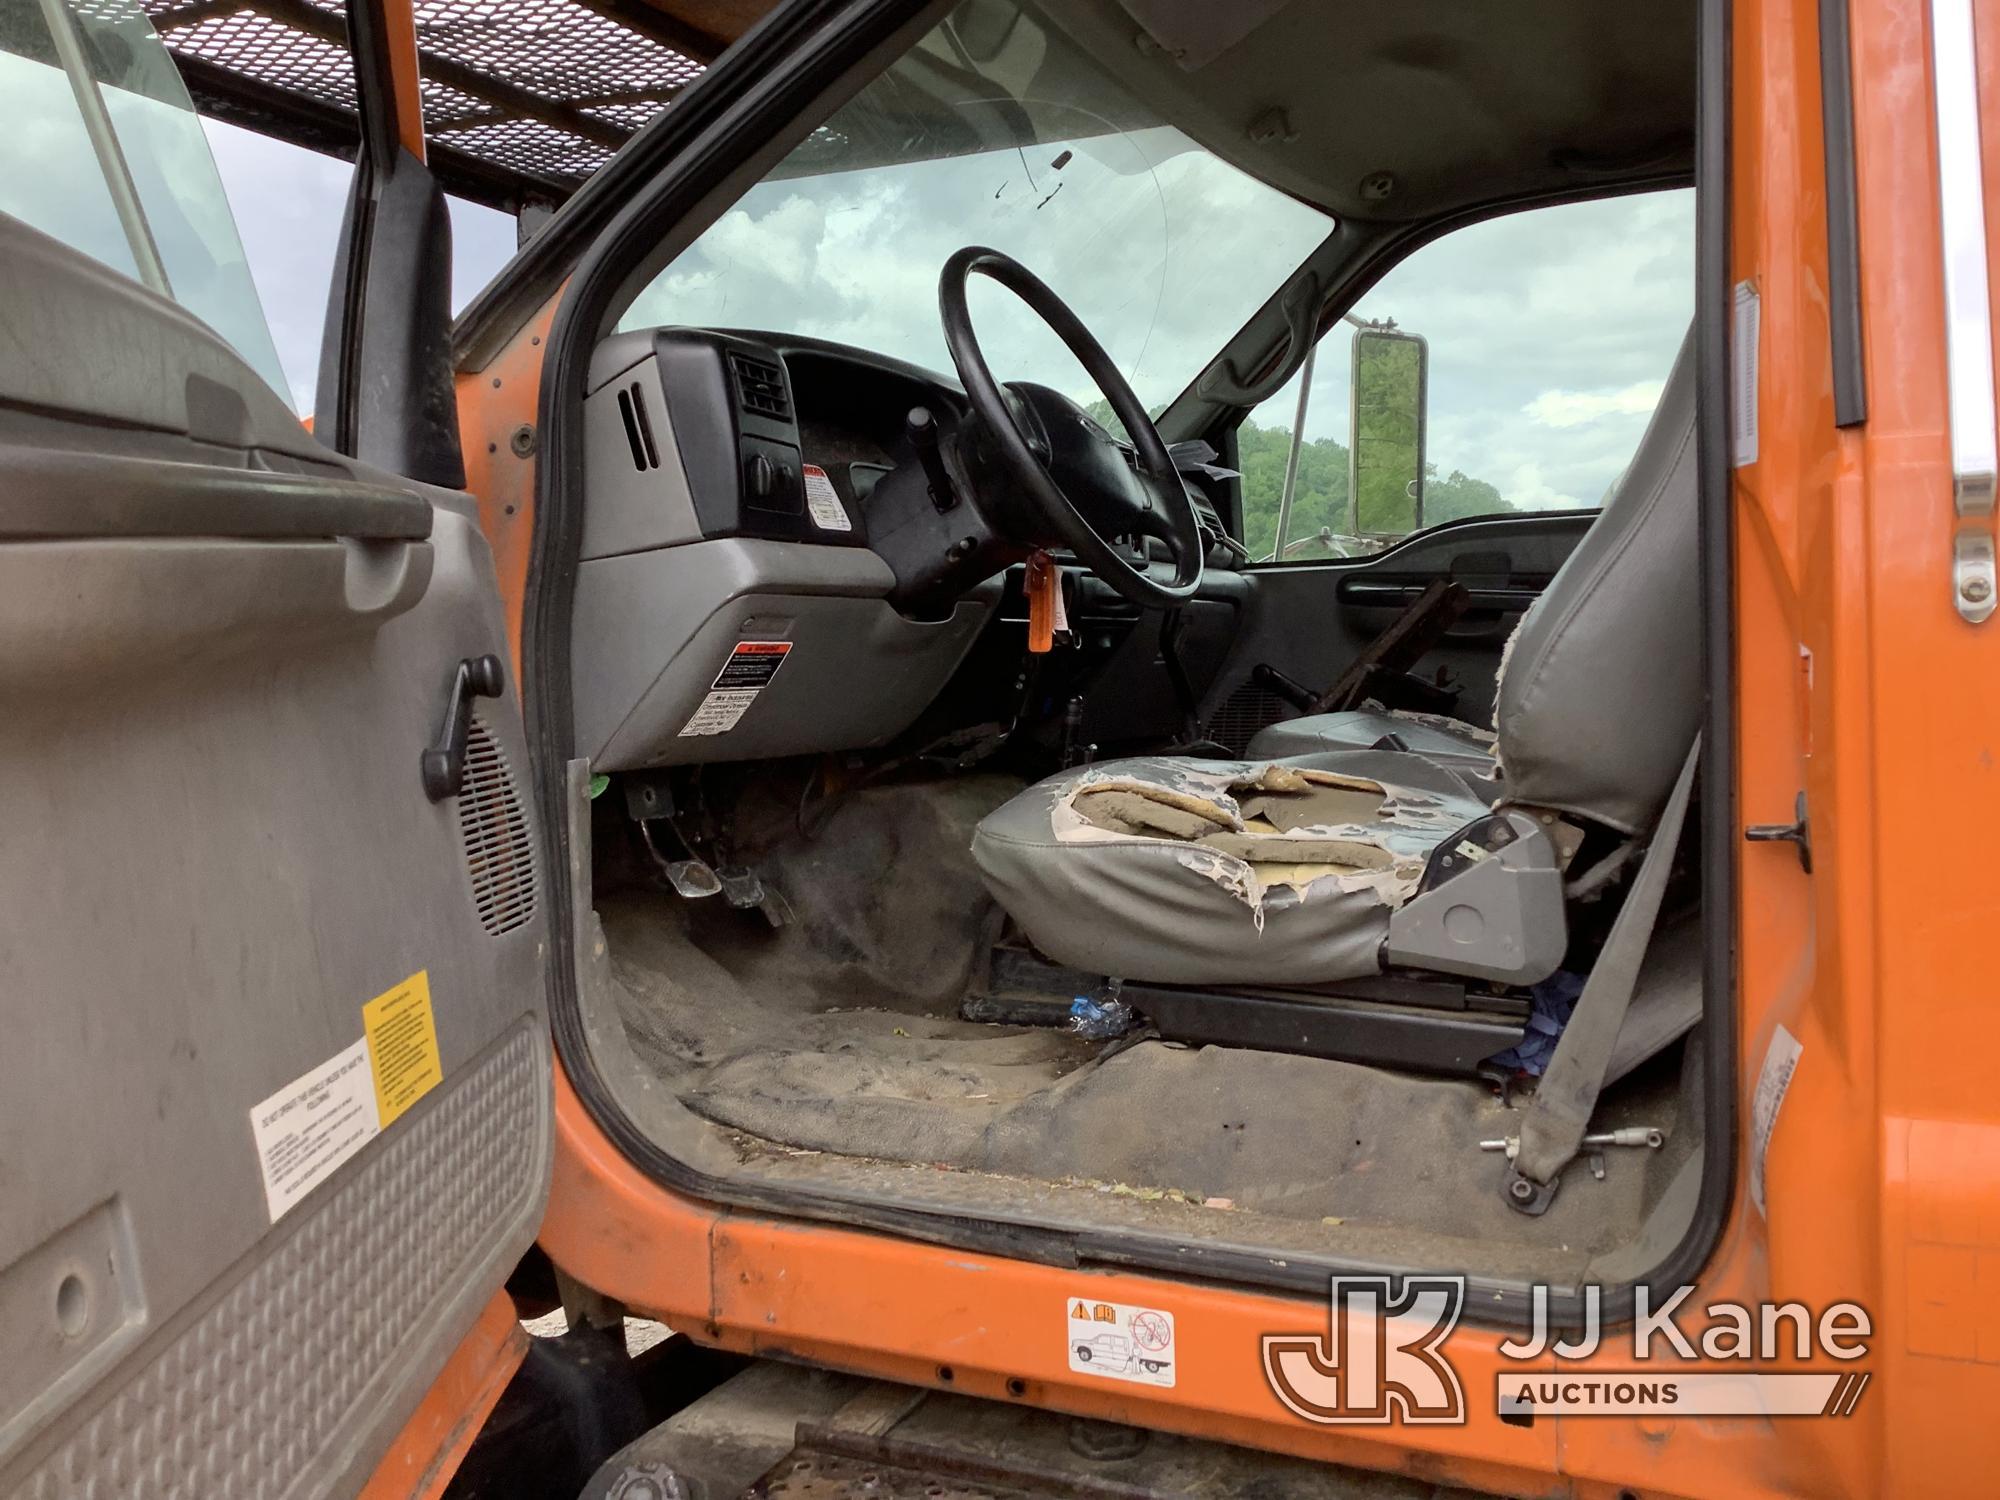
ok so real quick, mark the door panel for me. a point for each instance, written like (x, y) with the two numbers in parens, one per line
(222, 652)
(1309, 621)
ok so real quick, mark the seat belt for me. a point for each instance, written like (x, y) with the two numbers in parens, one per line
(1553, 1125)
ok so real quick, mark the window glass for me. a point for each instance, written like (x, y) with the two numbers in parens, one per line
(1548, 336)
(483, 240)
(48, 170)
(996, 130)
(186, 210)
(154, 138)
(289, 202)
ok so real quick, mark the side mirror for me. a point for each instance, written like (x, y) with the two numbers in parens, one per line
(1386, 408)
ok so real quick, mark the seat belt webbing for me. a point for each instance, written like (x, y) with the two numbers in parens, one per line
(1553, 1125)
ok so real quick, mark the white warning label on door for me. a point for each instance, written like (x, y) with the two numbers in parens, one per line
(823, 501)
(1774, 1080)
(1121, 1342)
(751, 665)
(313, 1124)
(1747, 328)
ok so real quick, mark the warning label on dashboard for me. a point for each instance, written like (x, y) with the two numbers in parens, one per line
(751, 665)
(823, 501)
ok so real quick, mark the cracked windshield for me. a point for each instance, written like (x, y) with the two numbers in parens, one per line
(1163, 249)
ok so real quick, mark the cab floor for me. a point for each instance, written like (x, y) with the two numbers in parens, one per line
(836, 1039)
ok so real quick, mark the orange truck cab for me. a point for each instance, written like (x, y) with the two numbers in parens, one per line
(1137, 747)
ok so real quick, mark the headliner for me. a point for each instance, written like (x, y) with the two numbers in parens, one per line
(1446, 104)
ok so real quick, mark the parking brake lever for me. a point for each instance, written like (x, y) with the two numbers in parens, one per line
(444, 763)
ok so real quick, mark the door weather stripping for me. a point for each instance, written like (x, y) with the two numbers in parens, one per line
(1968, 315)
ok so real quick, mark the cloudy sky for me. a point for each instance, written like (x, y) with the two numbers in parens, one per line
(288, 202)
(1550, 332)
(1162, 250)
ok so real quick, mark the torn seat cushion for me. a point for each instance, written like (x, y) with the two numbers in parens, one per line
(1221, 872)
(1462, 747)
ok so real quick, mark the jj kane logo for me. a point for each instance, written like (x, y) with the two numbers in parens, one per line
(1382, 1358)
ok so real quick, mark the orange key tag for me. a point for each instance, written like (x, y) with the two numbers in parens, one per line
(1043, 581)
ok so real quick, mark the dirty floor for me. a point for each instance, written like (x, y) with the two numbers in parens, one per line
(839, 1035)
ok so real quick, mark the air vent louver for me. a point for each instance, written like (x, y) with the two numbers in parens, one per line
(499, 850)
(760, 387)
(638, 427)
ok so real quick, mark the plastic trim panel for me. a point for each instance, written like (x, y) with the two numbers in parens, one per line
(291, 1368)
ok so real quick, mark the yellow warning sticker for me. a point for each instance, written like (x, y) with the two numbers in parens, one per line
(402, 1046)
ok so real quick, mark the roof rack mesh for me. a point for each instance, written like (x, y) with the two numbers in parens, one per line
(523, 99)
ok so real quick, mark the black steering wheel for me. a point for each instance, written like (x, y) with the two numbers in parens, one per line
(1040, 433)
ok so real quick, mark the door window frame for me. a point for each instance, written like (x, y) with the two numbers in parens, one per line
(1367, 269)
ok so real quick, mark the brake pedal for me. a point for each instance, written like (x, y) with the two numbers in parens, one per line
(691, 877)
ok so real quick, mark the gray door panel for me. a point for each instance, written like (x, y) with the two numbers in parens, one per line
(1310, 620)
(216, 850)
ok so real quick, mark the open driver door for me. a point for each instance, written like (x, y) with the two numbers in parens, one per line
(275, 1086)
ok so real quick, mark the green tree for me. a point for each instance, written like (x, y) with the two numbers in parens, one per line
(1457, 496)
(1319, 498)
(1319, 495)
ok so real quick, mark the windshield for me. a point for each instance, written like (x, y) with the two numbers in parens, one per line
(997, 130)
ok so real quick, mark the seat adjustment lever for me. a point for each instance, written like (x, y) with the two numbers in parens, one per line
(444, 762)
(1276, 683)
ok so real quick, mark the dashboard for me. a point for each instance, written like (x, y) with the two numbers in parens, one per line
(729, 604)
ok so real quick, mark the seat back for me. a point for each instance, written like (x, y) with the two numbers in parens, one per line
(1600, 691)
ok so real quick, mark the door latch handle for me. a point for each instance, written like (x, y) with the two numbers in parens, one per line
(444, 762)
(1797, 833)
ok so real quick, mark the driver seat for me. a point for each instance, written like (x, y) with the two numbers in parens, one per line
(1310, 868)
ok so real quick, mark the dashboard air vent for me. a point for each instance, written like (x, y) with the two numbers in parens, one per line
(638, 427)
(760, 386)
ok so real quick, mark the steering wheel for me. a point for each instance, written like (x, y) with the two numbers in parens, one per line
(1101, 492)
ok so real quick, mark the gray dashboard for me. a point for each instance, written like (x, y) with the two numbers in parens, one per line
(727, 605)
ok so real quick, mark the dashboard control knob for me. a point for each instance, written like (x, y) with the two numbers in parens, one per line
(763, 477)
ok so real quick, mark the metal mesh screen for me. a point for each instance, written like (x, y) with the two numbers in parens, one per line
(255, 45)
(523, 99)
